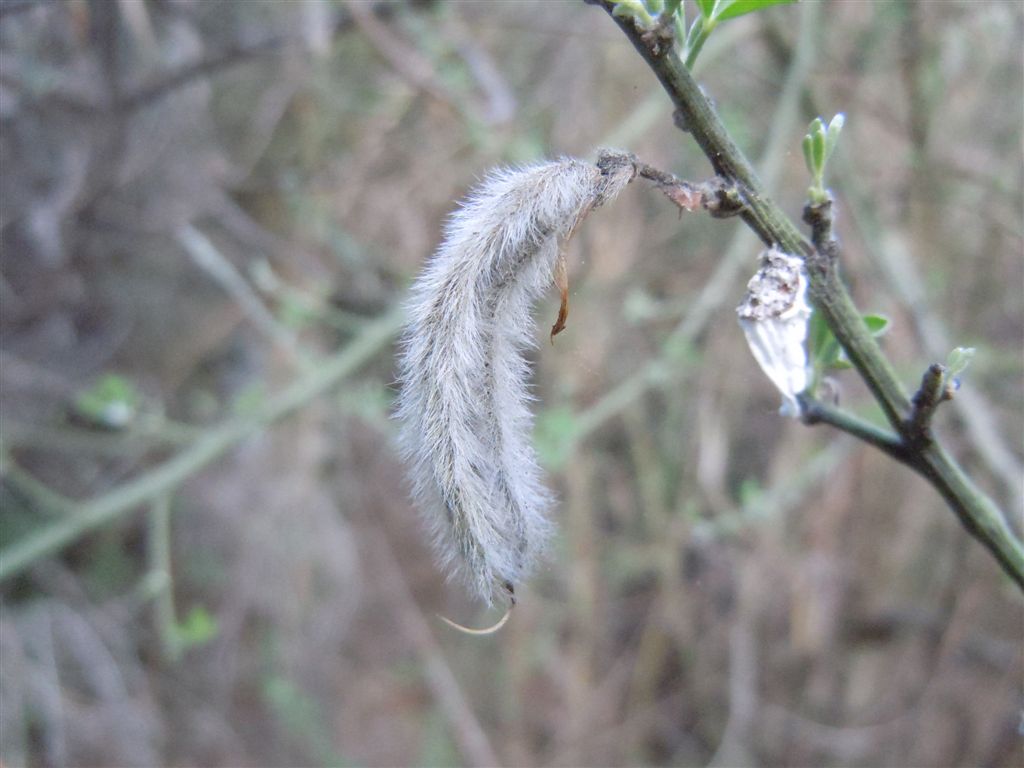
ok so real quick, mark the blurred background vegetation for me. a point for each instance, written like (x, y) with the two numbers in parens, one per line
(210, 213)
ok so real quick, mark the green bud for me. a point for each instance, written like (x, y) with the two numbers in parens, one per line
(958, 360)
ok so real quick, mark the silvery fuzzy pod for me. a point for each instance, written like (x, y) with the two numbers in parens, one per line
(465, 424)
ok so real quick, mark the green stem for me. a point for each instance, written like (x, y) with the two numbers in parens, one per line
(699, 34)
(90, 515)
(976, 511)
(38, 494)
(159, 552)
(694, 112)
(816, 412)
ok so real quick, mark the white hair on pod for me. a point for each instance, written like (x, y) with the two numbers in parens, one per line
(465, 424)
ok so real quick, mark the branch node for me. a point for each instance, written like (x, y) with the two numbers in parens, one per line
(661, 37)
(935, 389)
(723, 198)
(821, 217)
(811, 412)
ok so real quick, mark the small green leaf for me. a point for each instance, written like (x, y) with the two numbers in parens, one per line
(877, 324)
(112, 402)
(706, 7)
(197, 628)
(696, 29)
(958, 360)
(814, 131)
(672, 6)
(742, 7)
(655, 6)
(808, 146)
(824, 348)
(818, 333)
(818, 149)
(832, 136)
(832, 356)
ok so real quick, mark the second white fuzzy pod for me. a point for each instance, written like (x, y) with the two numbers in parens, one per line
(464, 395)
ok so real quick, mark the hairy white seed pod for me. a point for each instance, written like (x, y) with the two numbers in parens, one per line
(463, 377)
